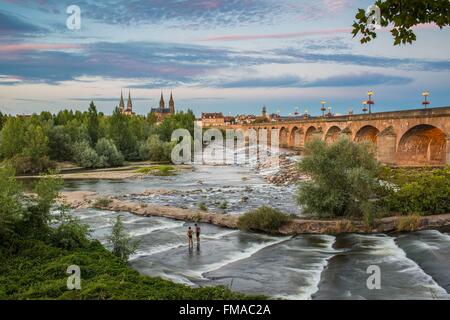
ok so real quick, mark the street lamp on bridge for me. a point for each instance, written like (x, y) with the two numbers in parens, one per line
(426, 94)
(365, 109)
(323, 109)
(329, 111)
(370, 102)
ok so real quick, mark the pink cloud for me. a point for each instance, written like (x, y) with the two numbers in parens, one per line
(302, 34)
(12, 48)
(278, 35)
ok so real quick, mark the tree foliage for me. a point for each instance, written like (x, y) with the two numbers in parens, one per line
(122, 245)
(401, 16)
(11, 210)
(264, 219)
(93, 123)
(33, 144)
(343, 179)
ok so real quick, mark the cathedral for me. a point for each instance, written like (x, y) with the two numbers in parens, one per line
(162, 111)
(129, 110)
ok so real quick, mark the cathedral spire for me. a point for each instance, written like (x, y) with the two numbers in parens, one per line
(162, 104)
(130, 103)
(121, 103)
(171, 104)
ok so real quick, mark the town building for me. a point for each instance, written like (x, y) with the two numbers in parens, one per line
(129, 109)
(215, 119)
(163, 112)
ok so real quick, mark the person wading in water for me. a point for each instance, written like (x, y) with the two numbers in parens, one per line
(197, 232)
(189, 235)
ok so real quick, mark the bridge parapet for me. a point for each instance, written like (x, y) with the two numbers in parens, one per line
(408, 137)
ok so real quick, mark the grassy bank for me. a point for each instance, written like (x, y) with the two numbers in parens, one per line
(36, 270)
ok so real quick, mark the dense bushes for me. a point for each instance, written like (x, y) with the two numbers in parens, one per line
(348, 182)
(104, 155)
(343, 179)
(25, 146)
(38, 271)
(419, 191)
(263, 219)
(33, 143)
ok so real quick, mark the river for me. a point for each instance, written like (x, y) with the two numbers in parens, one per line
(413, 266)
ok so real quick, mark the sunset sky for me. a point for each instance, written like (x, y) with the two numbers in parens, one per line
(232, 56)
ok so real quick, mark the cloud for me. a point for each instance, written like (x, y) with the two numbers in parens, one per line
(13, 26)
(359, 80)
(196, 12)
(299, 56)
(278, 35)
(169, 65)
(292, 81)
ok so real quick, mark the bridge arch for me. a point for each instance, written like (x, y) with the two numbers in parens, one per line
(310, 133)
(367, 134)
(284, 137)
(332, 134)
(295, 138)
(423, 144)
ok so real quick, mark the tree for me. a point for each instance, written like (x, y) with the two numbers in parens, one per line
(93, 124)
(2, 120)
(85, 156)
(122, 245)
(120, 133)
(37, 219)
(108, 153)
(12, 138)
(404, 15)
(60, 143)
(11, 210)
(343, 179)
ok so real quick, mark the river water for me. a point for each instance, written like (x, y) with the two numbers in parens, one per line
(413, 266)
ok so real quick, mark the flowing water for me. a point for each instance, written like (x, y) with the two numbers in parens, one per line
(413, 266)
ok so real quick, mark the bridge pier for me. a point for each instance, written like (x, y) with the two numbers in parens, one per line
(448, 151)
(387, 146)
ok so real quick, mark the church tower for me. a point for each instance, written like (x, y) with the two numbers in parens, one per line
(264, 112)
(121, 103)
(162, 104)
(129, 104)
(171, 104)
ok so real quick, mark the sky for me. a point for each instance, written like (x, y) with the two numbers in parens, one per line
(230, 56)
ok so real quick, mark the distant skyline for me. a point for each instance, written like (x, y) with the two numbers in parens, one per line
(229, 56)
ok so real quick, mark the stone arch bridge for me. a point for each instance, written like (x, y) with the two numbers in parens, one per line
(404, 138)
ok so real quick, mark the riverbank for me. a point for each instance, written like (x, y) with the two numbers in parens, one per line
(298, 226)
(133, 170)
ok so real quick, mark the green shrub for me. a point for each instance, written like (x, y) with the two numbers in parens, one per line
(202, 206)
(38, 271)
(107, 151)
(223, 205)
(123, 245)
(70, 234)
(343, 179)
(264, 219)
(161, 170)
(424, 192)
(11, 210)
(85, 156)
(102, 203)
